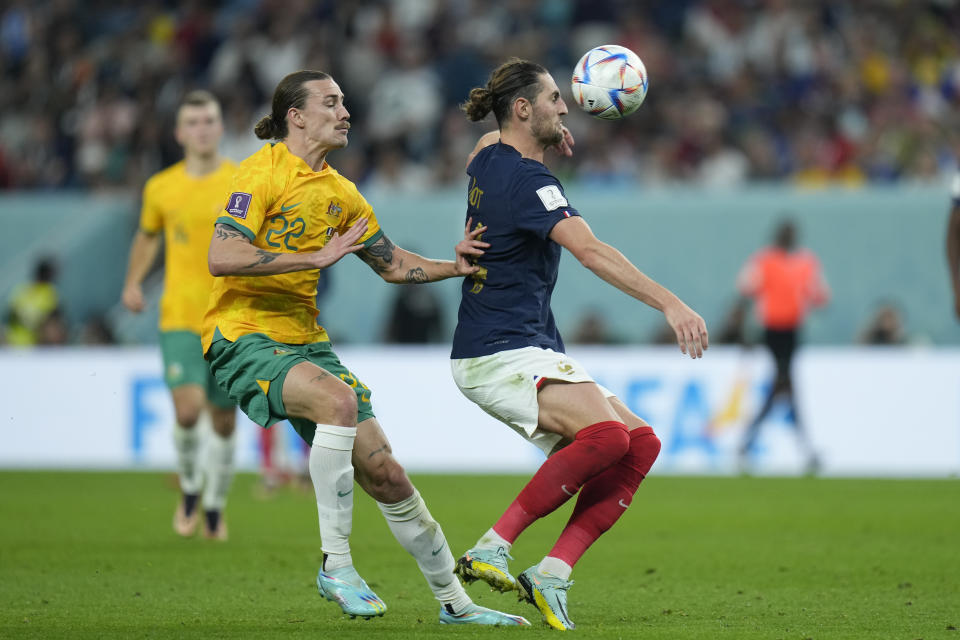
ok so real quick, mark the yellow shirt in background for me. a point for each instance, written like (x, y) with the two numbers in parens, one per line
(282, 206)
(185, 207)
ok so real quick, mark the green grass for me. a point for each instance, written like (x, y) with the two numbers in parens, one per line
(92, 555)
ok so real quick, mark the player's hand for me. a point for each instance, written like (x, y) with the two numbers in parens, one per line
(340, 245)
(690, 328)
(565, 146)
(469, 249)
(132, 298)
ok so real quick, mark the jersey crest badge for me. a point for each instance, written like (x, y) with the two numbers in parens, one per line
(334, 210)
(238, 204)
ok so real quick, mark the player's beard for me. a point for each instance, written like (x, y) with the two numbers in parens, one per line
(546, 134)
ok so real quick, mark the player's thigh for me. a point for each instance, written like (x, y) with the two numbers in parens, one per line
(627, 417)
(376, 470)
(188, 402)
(311, 392)
(567, 407)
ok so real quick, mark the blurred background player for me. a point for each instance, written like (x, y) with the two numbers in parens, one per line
(953, 243)
(32, 306)
(508, 356)
(183, 201)
(288, 216)
(785, 282)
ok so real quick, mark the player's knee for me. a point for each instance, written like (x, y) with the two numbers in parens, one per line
(609, 440)
(188, 416)
(224, 427)
(644, 449)
(338, 407)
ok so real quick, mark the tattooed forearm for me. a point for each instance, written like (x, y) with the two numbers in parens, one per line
(263, 257)
(379, 255)
(225, 232)
(416, 276)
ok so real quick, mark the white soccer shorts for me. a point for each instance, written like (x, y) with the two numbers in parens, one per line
(505, 385)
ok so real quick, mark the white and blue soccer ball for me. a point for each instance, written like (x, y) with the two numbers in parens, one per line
(609, 82)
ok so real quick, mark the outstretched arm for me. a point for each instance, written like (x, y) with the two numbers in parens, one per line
(612, 266)
(400, 266)
(232, 254)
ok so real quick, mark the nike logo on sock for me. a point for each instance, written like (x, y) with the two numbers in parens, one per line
(622, 504)
(438, 550)
(563, 488)
(341, 495)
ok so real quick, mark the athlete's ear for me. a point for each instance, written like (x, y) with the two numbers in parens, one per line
(295, 117)
(521, 108)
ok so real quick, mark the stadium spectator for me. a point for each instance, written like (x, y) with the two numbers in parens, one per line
(785, 282)
(182, 202)
(31, 305)
(593, 328)
(508, 356)
(885, 327)
(263, 343)
(416, 317)
(821, 92)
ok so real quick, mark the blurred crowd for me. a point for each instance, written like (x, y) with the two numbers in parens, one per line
(815, 92)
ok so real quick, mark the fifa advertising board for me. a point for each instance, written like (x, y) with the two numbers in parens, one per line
(868, 411)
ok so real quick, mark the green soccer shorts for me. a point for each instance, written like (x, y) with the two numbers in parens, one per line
(183, 364)
(252, 370)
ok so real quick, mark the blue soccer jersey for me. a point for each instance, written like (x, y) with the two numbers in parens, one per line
(506, 305)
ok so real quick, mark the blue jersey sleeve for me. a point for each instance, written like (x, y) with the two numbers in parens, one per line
(539, 203)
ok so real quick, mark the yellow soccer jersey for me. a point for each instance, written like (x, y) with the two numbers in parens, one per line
(184, 208)
(283, 206)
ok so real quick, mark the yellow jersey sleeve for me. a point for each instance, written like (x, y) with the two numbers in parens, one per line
(362, 209)
(151, 213)
(252, 194)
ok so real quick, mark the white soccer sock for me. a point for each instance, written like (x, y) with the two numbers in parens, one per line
(555, 567)
(332, 475)
(493, 540)
(421, 535)
(187, 444)
(218, 470)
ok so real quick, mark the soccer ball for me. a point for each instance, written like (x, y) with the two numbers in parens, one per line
(609, 82)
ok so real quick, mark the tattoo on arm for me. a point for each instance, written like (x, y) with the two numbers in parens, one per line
(384, 449)
(225, 232)
(323, 374)
(416, 276)
(379, 255)
(264, 257)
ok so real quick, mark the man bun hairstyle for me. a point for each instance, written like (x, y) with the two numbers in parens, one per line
(515, 78)
(290, 93)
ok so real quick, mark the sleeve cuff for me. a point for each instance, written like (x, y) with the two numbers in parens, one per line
(369, 241)
(236, 225)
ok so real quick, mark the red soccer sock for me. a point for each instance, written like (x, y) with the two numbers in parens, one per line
(606, 497)
(594, 449)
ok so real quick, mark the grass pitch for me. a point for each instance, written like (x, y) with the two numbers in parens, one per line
(92, 555)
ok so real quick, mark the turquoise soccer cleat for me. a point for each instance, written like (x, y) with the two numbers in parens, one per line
(489, 565)
(548, 594)
(345, 587)
(475, 614)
